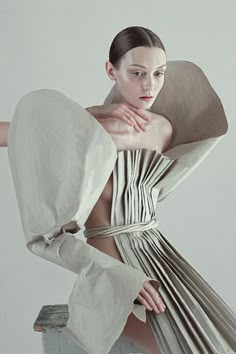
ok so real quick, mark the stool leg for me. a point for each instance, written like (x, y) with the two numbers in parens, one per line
(51, 342)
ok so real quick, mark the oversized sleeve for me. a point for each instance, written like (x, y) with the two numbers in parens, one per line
(197, 116)
(60, 159)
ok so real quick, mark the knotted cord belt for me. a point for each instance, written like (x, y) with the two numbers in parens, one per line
(108, 231)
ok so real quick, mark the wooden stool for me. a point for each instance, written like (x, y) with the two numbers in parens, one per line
(50, 321)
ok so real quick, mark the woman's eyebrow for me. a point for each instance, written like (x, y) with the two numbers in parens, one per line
(141, 66)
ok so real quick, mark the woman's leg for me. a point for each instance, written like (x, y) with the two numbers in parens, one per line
(140, 333)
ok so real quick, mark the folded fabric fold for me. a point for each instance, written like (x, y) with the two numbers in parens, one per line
(196, 114)
(61, 159)
(103, 294)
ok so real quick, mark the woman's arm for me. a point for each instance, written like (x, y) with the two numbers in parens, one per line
(123, 111)
(4, 128)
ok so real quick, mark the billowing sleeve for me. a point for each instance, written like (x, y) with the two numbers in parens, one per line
(60, 159)
(197, 116)
(198, 119)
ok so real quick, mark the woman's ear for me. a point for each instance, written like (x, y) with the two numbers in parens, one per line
(110, 70)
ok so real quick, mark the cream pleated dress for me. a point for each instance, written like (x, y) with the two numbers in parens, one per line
(61, 158)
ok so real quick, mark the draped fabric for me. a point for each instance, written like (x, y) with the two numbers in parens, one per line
(196, 319)
(61, 158)
(196, 114)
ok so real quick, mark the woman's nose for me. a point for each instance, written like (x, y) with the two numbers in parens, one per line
(148, 84)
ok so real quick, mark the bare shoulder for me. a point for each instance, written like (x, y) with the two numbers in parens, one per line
(156, 137)
(162, 131)
(163, 124)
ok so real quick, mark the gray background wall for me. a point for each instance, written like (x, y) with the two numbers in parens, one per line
(63, 45)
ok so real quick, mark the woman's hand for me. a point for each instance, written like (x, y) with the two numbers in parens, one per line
(124, 111)
(4, 129)
(150, 298)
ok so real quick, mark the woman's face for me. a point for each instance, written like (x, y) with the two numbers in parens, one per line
(141, 73)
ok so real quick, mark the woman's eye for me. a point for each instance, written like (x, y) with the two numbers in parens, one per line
(139, 74)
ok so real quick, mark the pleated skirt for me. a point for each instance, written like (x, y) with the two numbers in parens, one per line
(196, 319)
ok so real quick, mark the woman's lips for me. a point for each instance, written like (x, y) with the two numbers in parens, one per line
(146, 98)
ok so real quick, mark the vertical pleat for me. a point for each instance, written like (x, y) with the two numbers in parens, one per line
(197, 320)
(135, 176)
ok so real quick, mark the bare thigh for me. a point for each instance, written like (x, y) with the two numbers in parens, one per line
(138, 332)
(141, 334)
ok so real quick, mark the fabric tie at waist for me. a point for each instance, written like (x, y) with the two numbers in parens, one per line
(108, 231)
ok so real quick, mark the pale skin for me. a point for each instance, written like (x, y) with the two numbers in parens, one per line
(131, 82)
(131, 125)
(149, 131)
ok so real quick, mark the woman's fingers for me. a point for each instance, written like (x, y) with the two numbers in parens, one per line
(154, 294)
(138, 125)
(149, 300)
(153, 298)
(135, 120)
(129, 118)
(141, 113)
(129, 115)
(124, 112)
(141, 299)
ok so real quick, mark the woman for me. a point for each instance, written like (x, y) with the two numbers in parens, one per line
(150, 145)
